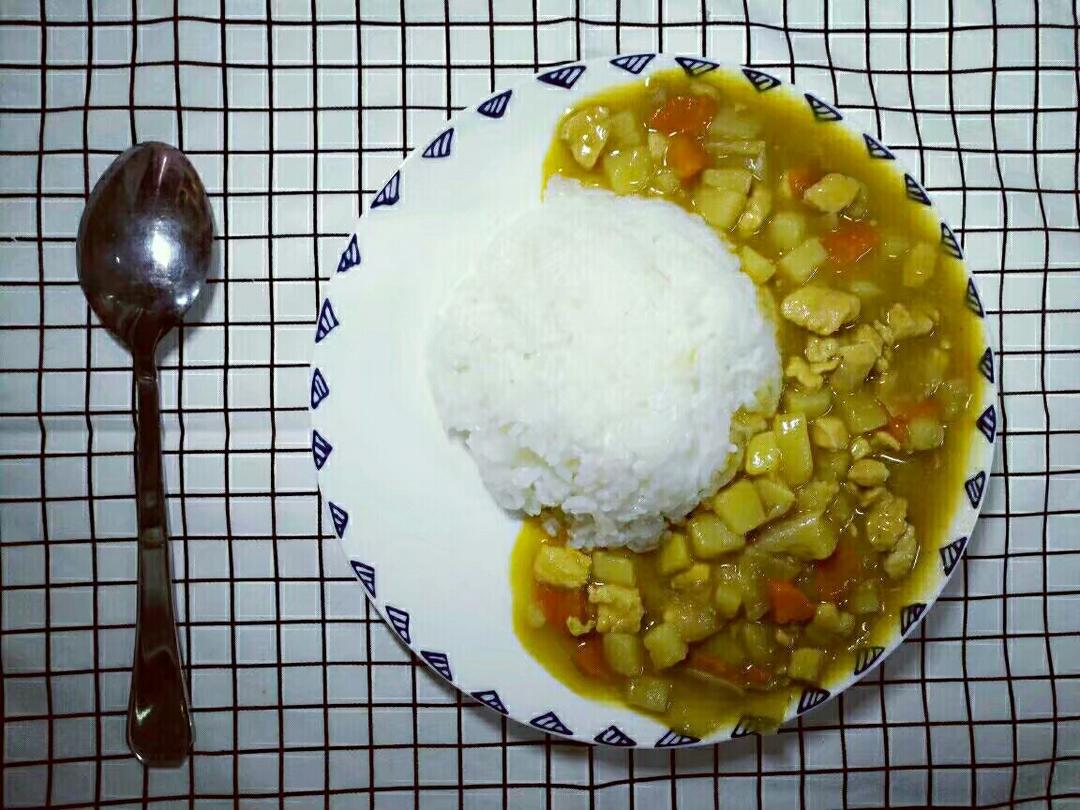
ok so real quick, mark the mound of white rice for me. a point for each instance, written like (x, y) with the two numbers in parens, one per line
(592, 359)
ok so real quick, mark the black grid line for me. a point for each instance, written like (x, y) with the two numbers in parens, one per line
(299, 695)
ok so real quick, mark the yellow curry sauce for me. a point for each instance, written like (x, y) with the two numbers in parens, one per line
(763, 172)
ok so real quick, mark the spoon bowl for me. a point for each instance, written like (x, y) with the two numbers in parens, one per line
(143, 252)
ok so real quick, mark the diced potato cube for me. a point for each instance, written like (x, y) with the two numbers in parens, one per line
(730, 123)
(800, 262)
(762, 454)
(666, 181)
(757, 210)
(657, 143)
(626, 129)
(586, 133)
(811, 403)
(697, 574)
(666, 647)
(805, 664)
(740, 507)
(775, 497)
(759, 645)
(628, 170)
(830, 620)
(674, 554)
(863, 600)
(925, 433)
(731, 179)
(693, 620)
(612, 568)
(619, 609)
(710, 537)
(828, 432)
(786, 229)
(719, 207)
(822, 310)
(728, 599)
(807, 537)
(737, 146)
(650, 693)
(816, 496)
(561, 567)
(832, 193)
(796, 456)
(868, 472)
(755, 265)
(624, 653)
(862, 412)
(919, 265)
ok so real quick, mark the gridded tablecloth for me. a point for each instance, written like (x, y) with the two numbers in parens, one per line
(295, 113)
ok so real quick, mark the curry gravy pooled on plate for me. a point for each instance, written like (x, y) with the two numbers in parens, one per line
(798, 564)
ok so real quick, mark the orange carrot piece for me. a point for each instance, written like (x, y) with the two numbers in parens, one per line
(750, 674)
(689, 114)
(560, 604)
(850, 242)
(589, 658)
(686, 157)
(898, 425)
(833, 575)
(788, 603)
(800, 179)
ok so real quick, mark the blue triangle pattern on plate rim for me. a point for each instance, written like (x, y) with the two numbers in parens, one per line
(613, 736)
(440, 147)
(439, 662)
(320, 449)
(986, 365)
(327, 323)
(340, 518)
(811, 697)
(950, 554)
(366, 574)
(634, 62)
(972, 300)
(319, 389)
(987, 423)
(399, 620)
(491, 699)
(866, 658)
(549, 721)
(822, 111)
(974, 487)
(915, 192)
(909, 615)
(673, 739)
(876, 148)
(564, 77)
(761, 81)
(390, 193)
(948, 241)
(495, 106)
(350, 257)
(695, 66)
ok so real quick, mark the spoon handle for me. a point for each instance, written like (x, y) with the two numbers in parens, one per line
(159, 724)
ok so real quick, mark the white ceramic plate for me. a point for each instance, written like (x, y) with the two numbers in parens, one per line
(428, 544)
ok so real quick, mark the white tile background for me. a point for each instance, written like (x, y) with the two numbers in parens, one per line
(301, 697)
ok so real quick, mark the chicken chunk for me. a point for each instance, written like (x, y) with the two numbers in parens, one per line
(886, 522)
(901, 324)
(800, 370)
(899, 562)
(619, 608)
(820, 309)
(561, 567)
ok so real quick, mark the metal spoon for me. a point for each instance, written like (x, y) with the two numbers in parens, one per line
(143, 253)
